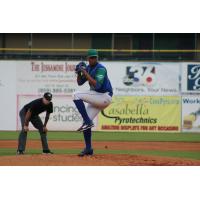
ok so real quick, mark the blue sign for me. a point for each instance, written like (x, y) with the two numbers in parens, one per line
(193, 77)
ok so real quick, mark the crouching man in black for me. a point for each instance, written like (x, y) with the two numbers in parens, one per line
(30, 113)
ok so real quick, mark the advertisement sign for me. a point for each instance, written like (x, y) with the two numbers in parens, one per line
(190, 77)
(191, 114)
(144, 78)
(38, 77)
(138, 81)
(65, 116)
(142, 114)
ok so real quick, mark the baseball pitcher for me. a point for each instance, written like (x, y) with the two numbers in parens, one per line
(98, 97)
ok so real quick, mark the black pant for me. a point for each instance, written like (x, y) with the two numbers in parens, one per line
(37, 123)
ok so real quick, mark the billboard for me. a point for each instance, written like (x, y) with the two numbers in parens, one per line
(191, 113)
(65, 116)
(137, 80)
(142, 114)
(190, 73)
(38, 77)
(144, 78)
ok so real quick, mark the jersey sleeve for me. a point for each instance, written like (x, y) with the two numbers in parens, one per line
(50, 108)
(99, 77)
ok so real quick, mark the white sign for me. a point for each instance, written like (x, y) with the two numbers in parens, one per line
(144, 78)
(38, 77)
(65, 116)
(191, 113)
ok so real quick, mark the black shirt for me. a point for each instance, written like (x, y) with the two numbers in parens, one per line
(37, 106)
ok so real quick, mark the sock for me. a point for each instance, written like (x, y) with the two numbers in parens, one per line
(87, 137)
(81, 108)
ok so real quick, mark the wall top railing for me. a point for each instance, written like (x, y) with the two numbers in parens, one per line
(104, 50)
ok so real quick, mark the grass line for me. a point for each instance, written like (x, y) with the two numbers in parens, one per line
(110, 136)
(177, 154)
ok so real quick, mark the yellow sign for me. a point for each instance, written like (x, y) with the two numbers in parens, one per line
(142, 113)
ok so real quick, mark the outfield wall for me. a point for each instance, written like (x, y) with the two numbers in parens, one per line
(149, 96)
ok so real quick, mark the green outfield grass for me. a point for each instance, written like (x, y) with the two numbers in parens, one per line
(110, 136)
(178, 154)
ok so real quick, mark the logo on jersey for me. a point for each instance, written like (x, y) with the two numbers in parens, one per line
(193, 77)
(140, 76)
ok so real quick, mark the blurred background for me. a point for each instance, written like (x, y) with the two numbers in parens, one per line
(111, 46)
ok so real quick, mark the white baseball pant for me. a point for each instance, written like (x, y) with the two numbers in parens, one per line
(96, 101)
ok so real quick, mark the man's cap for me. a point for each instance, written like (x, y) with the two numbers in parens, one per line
(92, 53)
(48, 96)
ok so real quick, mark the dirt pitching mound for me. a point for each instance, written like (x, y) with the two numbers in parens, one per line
(96, 160)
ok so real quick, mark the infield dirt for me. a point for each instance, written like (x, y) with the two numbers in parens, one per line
(101, 159)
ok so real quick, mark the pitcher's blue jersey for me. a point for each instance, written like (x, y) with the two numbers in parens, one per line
(99, 73)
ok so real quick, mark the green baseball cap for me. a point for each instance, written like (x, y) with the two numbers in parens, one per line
(92, 53)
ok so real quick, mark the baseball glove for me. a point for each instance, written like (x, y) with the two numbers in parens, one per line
(188, 121)
(80, 67)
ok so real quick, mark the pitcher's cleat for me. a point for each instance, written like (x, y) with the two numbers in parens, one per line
(47, 152)
(86, 152)
(85, 126)
(20, 152)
